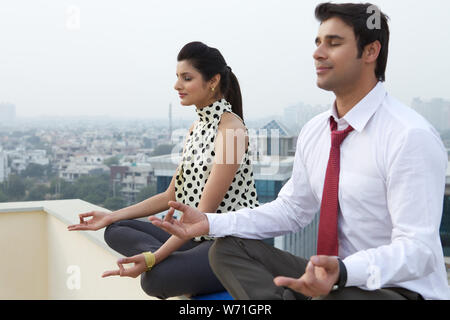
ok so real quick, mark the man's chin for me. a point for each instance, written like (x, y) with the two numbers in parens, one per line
(324, 85)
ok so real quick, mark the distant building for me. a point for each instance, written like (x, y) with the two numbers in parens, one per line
(275, 138)
(18, 164)
(164, 168)
(131, 179)
(436, 111)
(178, 136)
(74, 171)
(88, 159)
(7, 113)
(117, 175)
(37, 157)
(21, 158)
(4, 169)
(296, 116)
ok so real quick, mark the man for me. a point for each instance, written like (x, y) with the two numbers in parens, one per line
(373, 167)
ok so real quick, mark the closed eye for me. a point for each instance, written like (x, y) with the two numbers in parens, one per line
(185, 76)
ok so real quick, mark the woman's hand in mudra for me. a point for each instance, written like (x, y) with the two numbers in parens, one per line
(98, 220)
(139, 267)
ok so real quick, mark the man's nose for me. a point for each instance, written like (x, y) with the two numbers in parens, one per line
(319, 53)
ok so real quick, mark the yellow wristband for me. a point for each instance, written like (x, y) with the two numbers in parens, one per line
(149, 259)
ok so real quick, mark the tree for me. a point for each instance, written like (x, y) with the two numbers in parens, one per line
(68, 190)
(34, 170)
(38, 192)
(163, 149)
(111, 161)
(15, 188)
(34, 140)
(3, 197)
(146, 192)
(62, 189)
(94, 189)
(114, 203)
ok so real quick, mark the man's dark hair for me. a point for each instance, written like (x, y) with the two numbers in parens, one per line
(359, 16)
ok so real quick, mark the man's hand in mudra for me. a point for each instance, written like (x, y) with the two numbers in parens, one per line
(192, 223)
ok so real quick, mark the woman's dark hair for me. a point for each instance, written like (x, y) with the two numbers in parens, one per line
(209, 62)
(359, 17)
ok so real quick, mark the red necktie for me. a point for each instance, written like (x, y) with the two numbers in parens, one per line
(327, 242)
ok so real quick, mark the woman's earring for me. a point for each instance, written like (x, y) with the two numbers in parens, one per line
(212, 89)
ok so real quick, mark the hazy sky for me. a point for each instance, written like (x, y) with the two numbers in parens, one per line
(120, 59)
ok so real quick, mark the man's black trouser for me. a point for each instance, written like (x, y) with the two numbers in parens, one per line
(247, 268)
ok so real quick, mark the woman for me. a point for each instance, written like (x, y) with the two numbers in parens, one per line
(214, 175)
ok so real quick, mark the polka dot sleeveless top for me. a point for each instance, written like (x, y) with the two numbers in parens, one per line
(197, 162)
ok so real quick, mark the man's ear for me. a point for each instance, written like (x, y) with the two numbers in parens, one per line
(372, 51)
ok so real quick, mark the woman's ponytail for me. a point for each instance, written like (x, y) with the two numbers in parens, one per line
(232, 92)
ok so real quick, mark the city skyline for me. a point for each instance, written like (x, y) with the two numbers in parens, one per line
(435, 110)
(99, 58)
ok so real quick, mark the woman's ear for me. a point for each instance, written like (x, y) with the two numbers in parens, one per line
(214, 82)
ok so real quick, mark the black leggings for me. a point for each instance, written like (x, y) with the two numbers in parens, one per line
(185, 272)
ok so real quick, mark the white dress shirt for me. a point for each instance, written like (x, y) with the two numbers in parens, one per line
(391, 191)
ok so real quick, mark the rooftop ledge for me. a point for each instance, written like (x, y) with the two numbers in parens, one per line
(43, 260)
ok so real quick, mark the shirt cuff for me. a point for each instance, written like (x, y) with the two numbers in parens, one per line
(220, 225)
(357, 270)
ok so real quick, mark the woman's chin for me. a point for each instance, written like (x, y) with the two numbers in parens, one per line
(186, 103)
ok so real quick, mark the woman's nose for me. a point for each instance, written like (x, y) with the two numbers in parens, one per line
(177, 85)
